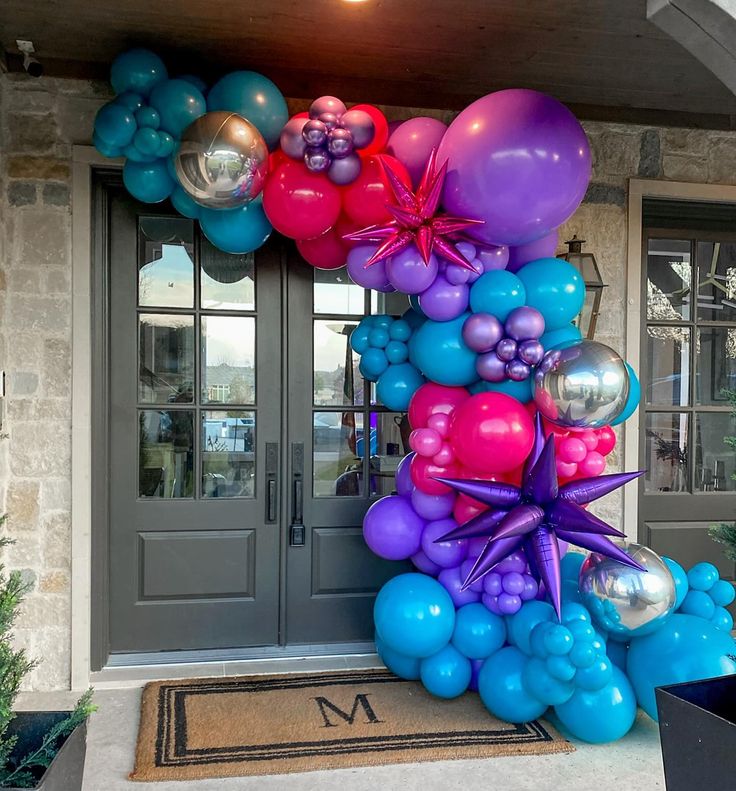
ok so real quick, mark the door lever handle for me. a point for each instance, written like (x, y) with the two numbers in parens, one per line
(272, 467)
(297, 531)
(298, 501)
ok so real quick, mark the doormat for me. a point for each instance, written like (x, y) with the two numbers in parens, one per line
(258, 725)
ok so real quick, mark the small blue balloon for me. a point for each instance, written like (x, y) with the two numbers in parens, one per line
(397, 384)
(115, 125)
(542, 685)
(105, 148)
(400, 330)
(397, 352)
(184, 204)
(682, 586)
(555, 288)
(521, 391)
(178, 103)
(195, 80)
(133, 101)
(522, 622)
(438, 350)
(502, 689)
(633, 399)
(399, 664)
(562, 335)
(447, 673)
(146, 141)
(698, 603)
(359, 337)
(166, 145)
(722, 593)
(702, 576)
(722, 619)
(137, 70)
(378, 337)
(134, 155)
(237, 231)
(148, 181)
(147, 116)
(478, 632)
(497, 292)
(373, 363)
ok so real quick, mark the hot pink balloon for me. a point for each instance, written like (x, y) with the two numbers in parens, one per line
(412, 143)
(431, 399)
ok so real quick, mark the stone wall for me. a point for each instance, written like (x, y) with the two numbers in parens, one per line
(39, 122)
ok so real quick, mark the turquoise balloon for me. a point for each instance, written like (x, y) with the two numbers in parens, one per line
(166, 145)
(397, 352)
(399, 664)
(682, 586)
(521, 391)
(149, 182)
(632, 402)
(570, 564)
(497, 292)
(722, 593)
(400, 330)
(447, 673)
(698, 603)
(542, 685)
(134, 155)
(702, 576)
(555, 288)
(722, 619)
(564, 334)
(359, 338)
(195, 80)
(414, 615)
(397, 384)
(237, 231)
(502, 690)
(685, 648)
(478, 632)
(184, 204)
(146, 141)
(178, 103)
(137, 70)
(521, 623)
(438, 350)
(147, 116)
(373, 363)
(601, 716)
(133, 101)
(105, 148)
(254, 97)
(115, 125)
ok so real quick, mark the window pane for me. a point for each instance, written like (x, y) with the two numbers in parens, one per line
(228, 359)
(389, 442)
(165, 453)
(165, 268)
(228, 454)
(337, 380)
(666, 460)
(715, 462)
(669, 278)
(394, 303)
(166, 359)
(668, 377)
(716, 293)
(716, 364)
(337, 454)
(228, 281)
(334, 292)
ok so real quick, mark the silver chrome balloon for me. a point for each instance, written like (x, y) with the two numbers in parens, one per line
(222, 160)
(624, 601)
(581, 384)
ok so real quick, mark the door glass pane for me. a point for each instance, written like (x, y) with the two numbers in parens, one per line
(337, 380)
(716, 292)
(166, 358)
(228, 454)
(715, 462)
(165, 268)
(716, 364)
(666, 459)
(228, 359)
(389, 442)
(394, 303)
(668, 377)
(669, 278)
(337, 460)
(165, 453)
(334, 292)
(228, 281)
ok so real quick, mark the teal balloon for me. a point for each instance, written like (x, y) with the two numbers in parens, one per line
(478, 632)
(379, 337)
(521, 391)
(133, 101)
(632, 402)
(148, 116)
(149, 182)
(414, 615)
(166, 144)
(146, 141)
(722, 619)
(722, 593)
(397, 384)
(555, 288)
(542, 685)
(682, 586)
(564, 334)
(373, 363)
(702, 576)
(359, 338)
(502, 689)
(254, 97)
(134, 155)
(521, 623)
(237, 231)
(446, 674)
(396, 352)
(685, 648)
(570, 564)
(195, 80)
(601, 716)
(115, 125)
(137, 70)
(698, 603)
(497, 292)
(400, 330)
(105, 148)
(438, 350)
(178, 103)
(184, 204)
(399, 664)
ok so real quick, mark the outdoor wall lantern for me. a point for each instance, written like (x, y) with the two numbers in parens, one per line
(586, 264)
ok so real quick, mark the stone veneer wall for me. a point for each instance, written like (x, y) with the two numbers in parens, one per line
(40, 120)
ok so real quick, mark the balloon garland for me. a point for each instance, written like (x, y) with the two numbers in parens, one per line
(510, 409)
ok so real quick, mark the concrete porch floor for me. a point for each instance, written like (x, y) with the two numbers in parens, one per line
(632, 764)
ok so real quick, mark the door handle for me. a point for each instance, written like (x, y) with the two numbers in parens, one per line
(297, 531)
(298, 501)
(272, 488)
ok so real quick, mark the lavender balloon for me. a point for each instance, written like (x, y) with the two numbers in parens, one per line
(444, 553)
(339, 143)
(326, 104)
(316, 159)
(344, 170)
(423, 563)
(404, 485)
(546, 247)
(493, 257)
(367, 277)
(530, 352)
(360, 125)
(329, 120)
(491, 367)
(506, 349)
(517, 371)
(314, 133)
(432, 506)
(392, 528)
(482, 331)
(452, 580)
(292, 142)
(524, 323)
(413, 142)
(407, 271)
(444, 301)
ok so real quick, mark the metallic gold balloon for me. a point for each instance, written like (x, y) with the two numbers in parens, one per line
(624, 601)
(222, 160)
(581, 384)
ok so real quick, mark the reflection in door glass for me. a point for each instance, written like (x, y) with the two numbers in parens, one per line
(714, 460)
(668, 374)
(228, 454)
(666, 461)
(334, 292)
(165, 358)
(716, 364)
(337, 380)
(716, 288)
(165, 268)
(338, 449)
(389, 438)
(669, 277)
(394, 303)
(165, 453)
(228, 359)
(228, 281)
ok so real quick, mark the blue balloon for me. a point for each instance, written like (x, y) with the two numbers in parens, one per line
(397, 384)
(399, 664)
(359, 338)
(149, 182)
(105, 148)
(254, 97)
(478, 632)
(178, 103)
(497, 292)
(570, 564)
(373, 363)
(632, 401)
(702, 576)
(115, 125)
(414, 615)
(555, 288)
(682, 586)
(239, 230)
(544, 686)
(184, 204)
(521, 623)
(601, 716)
(438, 350)
(378, 337)
(400, 330)
(685, 648)
(722, 593)
(397, 352)
(521, 391)
(147, 116)
(137, 70)
(133, 101)
(564, 334)
(502, 690)
(146, 141)
(166, 145)
(698, 603)
(618, 653)
(195, 80)
(447, 673)
(722, 619)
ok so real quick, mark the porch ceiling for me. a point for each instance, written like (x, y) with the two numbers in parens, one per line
(603, 58)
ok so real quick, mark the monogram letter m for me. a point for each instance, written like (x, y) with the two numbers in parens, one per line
(360, 700)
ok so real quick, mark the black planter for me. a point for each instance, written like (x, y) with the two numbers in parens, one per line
(697, 728)
(66, 770)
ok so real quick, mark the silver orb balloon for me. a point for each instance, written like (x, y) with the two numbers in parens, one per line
(581, 384)
(222, 160)
(624, 601)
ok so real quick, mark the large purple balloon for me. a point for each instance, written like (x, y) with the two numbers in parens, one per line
(407, 271)
(368, 277)
(444, 301)
(517, 159)
(413, 141)
(392, 528)
(546, 247)
(432, 506)
(443, 553)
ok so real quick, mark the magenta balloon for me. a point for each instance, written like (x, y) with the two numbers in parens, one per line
(413, 141)
(517, 159)
(404, 484)
(392, 528)
(444, 301)
(368, 277)
(546, 247)
(407, 271)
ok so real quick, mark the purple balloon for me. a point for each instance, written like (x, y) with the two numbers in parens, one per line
(530, 352)
(492, 583)
(508, 604)
(329, 120)
(413, 141)
(423, 563)
(493, 257)
(546, 247)
(326, 104)
(482, 331)
(506, 349)
(517, 371)
(444, 553)
(392, 528)
(475, 668)
(344, 170)
(317, 159)
(465, 568)
(404, 484)
(516, 561)
(452, 579)
(367, 277)
(360, 125)
(432, 506)
(444, 301)
(517, 159)
(407, 271)
(490, 367)
(457, 274)
(524, 324)
(491, 602)
(339, 143)
(314, 133)
(291, 140)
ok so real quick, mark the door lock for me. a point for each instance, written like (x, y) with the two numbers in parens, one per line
(297, 531)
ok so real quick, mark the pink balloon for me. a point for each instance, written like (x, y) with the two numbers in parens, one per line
(423, 474)
(431, 399)
(466, 509)
(593, 464)
(606, 440)
(425, 441)
(566, 469)
(413, 141)
(590, 438)
(572, 449)
(324, 252)
(444, 456)
(440, 422)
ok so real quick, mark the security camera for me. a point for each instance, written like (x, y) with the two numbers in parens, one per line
(31, 65)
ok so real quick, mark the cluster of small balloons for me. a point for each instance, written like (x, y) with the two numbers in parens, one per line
(582, 454)
(701, 592)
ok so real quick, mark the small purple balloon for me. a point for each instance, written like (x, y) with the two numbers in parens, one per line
(517, 371)
(407, 271)
(444, 301)
(493, 583)
(465, 568)
(339, 143)
(392, 528)
(508, 604)
(329, 120)
(506, 349)
(513, 583)
(530, 588)
(423, 563)
(516, 561)
(317, 159)
(404, 484)
(482, 331)
(493, 257)
(314, 133)
(360, 125)
(457, 274)
(291, 140)
(452, 580)
(444, 553)
(345, 170)
(413, 142)
(524, 324)
(541, 248)
(490, 367)
(374, 277)
(491, 602)
(475, 668)
(432, 506)
(326, 104)
(530, 352)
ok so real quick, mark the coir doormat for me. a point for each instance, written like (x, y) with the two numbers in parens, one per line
(260, 725)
